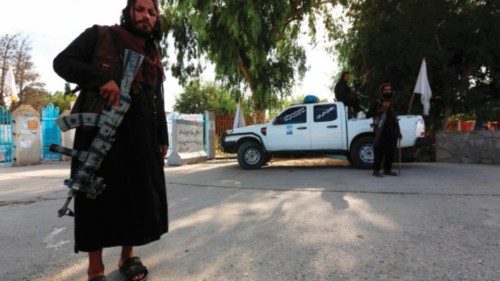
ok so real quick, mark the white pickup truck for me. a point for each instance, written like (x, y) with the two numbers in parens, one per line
(312, 129)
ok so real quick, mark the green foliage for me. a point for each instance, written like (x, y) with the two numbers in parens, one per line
(250, 42)
(38, 99)
(34, 97)
(459, 40)
(287, 102)
(197, 97)
(62, 100)
(462, 117)
(67, 90)
(15, 52)
(283, 103)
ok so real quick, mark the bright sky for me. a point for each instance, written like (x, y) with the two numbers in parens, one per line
(53, 24)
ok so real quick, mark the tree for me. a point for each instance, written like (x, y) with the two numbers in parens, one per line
(67, 90)
(16, 54)
(39, 98)
(198, 97)
(35, 97)
(8, 44)
(25, 73)
(250, 42)
(62, 100)
(389, 38)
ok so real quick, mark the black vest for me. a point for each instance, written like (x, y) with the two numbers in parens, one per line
(108, 59)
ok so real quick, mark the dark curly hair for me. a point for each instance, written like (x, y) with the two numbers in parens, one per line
(343, 74)
(127, 23)
(382, 86)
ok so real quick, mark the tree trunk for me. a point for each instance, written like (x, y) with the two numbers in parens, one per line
(246, 72)
(258, 114)
(446, 116)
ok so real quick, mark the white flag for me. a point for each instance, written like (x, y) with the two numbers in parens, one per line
(239, 119)
(10, 93)
(422, 87)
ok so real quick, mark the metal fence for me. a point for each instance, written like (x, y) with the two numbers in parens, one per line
(50, 132)
(6, 144)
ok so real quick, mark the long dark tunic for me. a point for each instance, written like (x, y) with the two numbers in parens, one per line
(344, 94)
(132, 210)
(342, 91)
(387, 143)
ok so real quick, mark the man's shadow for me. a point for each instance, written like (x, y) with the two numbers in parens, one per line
(336, 200)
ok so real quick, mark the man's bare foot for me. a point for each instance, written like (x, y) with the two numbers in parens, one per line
(96, 266)
(127, 253)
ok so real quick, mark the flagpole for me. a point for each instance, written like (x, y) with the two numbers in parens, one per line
(411, 101)
(399, 146)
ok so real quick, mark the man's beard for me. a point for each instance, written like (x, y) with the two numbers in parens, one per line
(146, 33)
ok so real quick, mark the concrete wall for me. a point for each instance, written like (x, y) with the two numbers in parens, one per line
(477, 147)
(27, 138)
(210, 133)
(178, 116)
(187, 143)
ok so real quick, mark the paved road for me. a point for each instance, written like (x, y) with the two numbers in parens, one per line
(293, 220)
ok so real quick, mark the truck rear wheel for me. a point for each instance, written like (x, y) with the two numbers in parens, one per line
(251, 156)
(362, 153)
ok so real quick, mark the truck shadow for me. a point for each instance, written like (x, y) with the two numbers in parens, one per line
(307, 163)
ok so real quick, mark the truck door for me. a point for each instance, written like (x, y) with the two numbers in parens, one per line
(326, 127)
(290, 130)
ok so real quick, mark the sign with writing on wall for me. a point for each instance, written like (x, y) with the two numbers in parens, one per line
(32, 125)
(178, 116)
(189, 136)
(25, 144)
(29, 125)
(189, 117)
(187, 144)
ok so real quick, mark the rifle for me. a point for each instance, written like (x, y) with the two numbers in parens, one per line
(380, 126)
(85, 179)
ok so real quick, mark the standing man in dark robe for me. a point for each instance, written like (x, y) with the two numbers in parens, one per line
(132, 210)
(387, 132)
(346, 95)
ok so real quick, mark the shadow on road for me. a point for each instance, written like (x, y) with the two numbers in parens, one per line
(330, 223)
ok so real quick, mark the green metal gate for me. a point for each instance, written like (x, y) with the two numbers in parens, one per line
(6, 145)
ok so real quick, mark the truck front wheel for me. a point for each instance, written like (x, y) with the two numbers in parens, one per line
(251, 156)
(362, 153)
